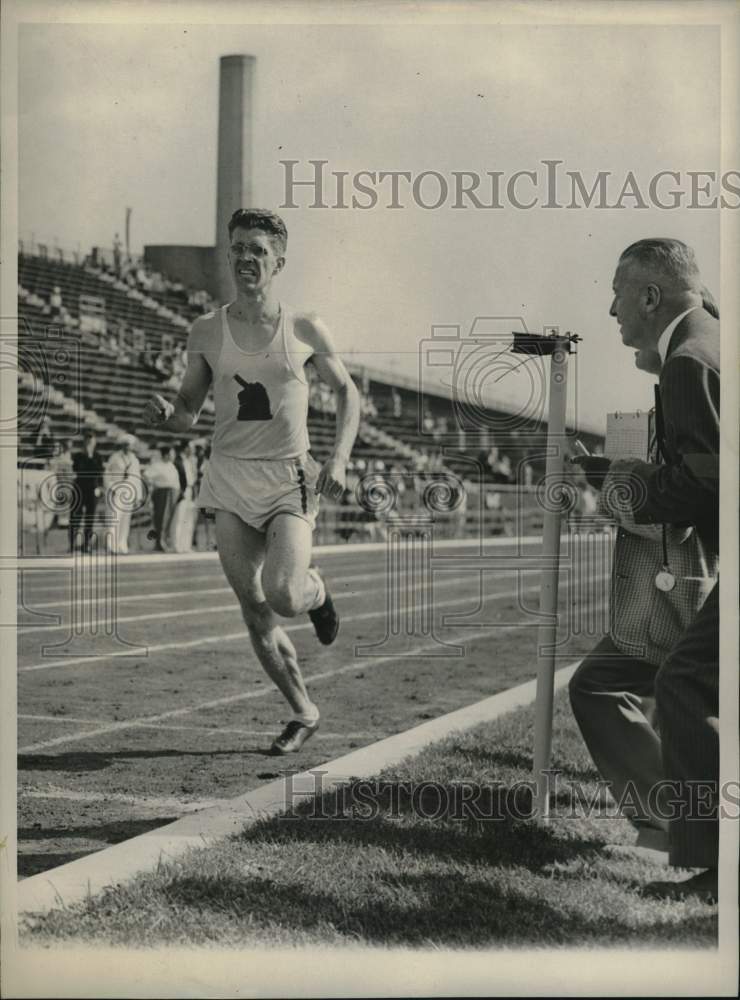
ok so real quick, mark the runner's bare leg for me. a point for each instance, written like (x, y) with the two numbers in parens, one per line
(242, 550)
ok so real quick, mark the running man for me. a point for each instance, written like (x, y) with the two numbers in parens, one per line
(261, 481)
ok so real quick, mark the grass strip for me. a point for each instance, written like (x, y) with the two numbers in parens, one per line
(435, 853)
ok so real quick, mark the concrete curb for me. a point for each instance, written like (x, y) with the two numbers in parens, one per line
(79, 879)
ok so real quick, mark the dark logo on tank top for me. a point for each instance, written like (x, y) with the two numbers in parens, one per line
(254, 403)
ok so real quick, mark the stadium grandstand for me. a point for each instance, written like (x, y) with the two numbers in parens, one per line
(99, 334)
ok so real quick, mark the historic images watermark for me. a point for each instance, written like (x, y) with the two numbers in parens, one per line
(314, 795)
(544, 185)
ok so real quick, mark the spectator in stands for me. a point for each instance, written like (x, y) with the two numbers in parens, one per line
(346, 517)
(397, 403)
(183, 522)
(117, 254)
(44, 445)
(164, 483)
(207, 516)
(199, 458)
(124, 489)
(56, 302)
(499, 466)
(526, 473)
(367, 407)
(460, 512)
(87, 467)
(161, 366)
(62, 465)
(179, 363)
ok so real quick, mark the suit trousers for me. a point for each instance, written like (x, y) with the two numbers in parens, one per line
(163, 508)
(82, 517)
(612, 695)
(687, 700)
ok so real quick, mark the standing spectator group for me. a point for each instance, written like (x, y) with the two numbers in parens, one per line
(87, 467)
(163, 480)
(124, 488)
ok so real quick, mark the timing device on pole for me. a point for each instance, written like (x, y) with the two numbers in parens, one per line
(558, 347)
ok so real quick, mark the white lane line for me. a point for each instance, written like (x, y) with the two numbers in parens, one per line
(335, 581)
(218, 730)
(139, 596)
(28, 588)
(152, 616)
(61, 718)
(132, 580)
(234, 606)
(234, 636)
(262, 692)
(123, 598)
(159, 559)
(367, 663)
(80, 879)
(161, 648)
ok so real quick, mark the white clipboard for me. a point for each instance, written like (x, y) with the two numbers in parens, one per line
(628, 435)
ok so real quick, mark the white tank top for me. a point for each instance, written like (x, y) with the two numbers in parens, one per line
(261, 398)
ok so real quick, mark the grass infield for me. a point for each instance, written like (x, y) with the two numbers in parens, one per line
(416, 859)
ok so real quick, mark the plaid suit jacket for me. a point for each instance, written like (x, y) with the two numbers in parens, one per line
(646, 622)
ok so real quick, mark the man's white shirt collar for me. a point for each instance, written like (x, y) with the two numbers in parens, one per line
(665, 337)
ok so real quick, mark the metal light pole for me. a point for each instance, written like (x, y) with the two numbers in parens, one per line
(558, 347)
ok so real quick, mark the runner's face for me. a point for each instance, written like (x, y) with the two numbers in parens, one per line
(253, 260)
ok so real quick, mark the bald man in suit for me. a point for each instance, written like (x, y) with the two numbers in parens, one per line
(658, 303)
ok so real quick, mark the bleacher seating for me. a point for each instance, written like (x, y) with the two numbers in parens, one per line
(78, 378)
(118, 391)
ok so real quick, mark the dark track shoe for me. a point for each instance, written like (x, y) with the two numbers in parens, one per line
(325, 619)
(293, 737)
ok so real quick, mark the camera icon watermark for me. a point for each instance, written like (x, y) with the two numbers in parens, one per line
(497, 390)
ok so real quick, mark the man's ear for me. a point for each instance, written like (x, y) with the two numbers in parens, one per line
(279, 264)
(651, 298)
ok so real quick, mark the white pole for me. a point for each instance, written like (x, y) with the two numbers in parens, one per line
(547, 631)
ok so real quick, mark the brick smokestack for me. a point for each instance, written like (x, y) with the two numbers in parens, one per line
(235, 151)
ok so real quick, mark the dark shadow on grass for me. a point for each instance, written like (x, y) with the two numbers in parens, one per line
(440, 909)
(516, 757)
(34, 864)
(104, 834)
(97, 760)
(418, 825)
(110, 833)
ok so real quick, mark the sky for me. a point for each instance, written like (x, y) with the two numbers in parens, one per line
(111, 117)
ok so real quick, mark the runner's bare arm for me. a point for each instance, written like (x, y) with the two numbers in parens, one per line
(330, 368)
(183, 413)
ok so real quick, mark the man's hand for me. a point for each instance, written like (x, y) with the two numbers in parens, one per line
(595, 468)
(158, 410)
(332, 479)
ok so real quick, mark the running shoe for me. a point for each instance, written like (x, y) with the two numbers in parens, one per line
(325, 619)
(293, 737)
